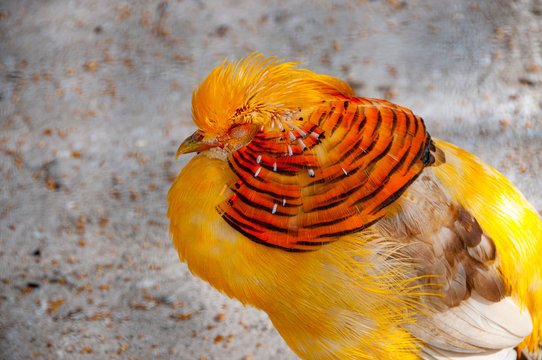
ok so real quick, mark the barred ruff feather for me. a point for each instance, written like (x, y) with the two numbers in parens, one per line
(505, 214)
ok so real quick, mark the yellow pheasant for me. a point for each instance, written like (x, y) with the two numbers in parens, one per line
(359, 235)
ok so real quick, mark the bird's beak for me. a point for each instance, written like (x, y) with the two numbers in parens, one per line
(195, 143)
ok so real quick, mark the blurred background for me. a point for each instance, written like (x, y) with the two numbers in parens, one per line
(95, 99)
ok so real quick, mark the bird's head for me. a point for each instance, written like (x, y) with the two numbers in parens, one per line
(237, 98)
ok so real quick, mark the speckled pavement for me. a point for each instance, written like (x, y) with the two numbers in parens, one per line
(95, 99)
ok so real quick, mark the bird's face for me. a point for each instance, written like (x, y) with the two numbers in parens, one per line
(230, 140)
(238, 98)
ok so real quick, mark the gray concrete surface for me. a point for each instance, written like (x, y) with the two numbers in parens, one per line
(95, 99)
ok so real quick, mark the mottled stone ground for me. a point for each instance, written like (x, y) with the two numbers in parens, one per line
(95, 99)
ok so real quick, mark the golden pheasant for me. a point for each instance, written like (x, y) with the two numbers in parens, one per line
(359, 235)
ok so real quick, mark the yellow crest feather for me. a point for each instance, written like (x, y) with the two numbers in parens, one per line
(253, 89)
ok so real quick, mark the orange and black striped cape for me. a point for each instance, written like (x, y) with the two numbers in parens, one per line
(302, 182)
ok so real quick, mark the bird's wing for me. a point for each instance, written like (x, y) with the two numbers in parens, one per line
(309, 178)
(472, 309)
(508, 218)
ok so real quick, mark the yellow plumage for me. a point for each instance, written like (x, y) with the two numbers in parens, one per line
(347, 293)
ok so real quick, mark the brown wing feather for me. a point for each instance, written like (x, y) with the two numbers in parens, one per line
(446, 243)
(304, 182)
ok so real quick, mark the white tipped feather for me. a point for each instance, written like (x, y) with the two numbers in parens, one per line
(505, 354)
(476, 327)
